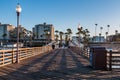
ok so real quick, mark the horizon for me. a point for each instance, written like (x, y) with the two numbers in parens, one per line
(64, 14)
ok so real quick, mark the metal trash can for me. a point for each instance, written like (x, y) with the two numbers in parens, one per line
(98, 57)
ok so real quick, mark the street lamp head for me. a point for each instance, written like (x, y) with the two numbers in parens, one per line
(79, 26)
(48, 32)
(18, 8)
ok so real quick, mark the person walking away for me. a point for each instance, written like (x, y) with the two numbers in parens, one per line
(53, 46)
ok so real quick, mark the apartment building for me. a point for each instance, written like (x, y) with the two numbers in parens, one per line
(43, 31)
(5, 31)
(22, 32)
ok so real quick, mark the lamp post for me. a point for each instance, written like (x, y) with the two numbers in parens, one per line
(48, 33)
(79, 26)
(96, 29)
(18, 10)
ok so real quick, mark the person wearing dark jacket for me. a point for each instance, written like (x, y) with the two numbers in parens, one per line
(53, 46)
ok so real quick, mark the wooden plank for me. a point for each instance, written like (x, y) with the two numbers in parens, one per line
(8, 60)
(23, 58)
(110, 61)
(5, 64)
(114, 64)
(8, 57)
(3, 57)
(115, 57)
(115, 52)
(115, 60)
(24, 53)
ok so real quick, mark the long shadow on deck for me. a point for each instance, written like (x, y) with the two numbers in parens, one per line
(62, 71)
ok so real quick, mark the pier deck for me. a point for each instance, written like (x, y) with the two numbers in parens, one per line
(60, 64)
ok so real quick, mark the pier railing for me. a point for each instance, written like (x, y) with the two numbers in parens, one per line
(81, 51)
(9, 56)
(112, 59)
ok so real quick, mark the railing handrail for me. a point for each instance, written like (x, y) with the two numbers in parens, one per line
(113, 57)
(9, 56)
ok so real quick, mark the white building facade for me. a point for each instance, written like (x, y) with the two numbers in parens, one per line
(98, 39)
(40, 31)
(5, 31)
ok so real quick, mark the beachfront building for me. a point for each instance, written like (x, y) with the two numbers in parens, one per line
(43, 32)
(98, 39)
(25, 36)
(8, 34)
(5, 31)
(23, 33)
(113, 38)
(75, 38)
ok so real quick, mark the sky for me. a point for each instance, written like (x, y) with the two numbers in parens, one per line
(64, 14)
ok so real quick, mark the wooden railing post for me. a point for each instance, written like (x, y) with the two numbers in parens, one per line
(9, 56)
(110, 60)
(27, 55)
(41, 50)
(12, 55)
(33, 51)
(25, 52)
(19, 54)
(3, 57)
(45, 49)
(48, 48)
(87, 54)
(38, 50)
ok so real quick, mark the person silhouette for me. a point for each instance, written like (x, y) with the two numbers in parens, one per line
(53, 46)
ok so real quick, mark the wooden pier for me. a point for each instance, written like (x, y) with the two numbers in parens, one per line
(59, 64)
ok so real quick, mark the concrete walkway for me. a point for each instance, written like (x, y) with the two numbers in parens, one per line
(60, 64)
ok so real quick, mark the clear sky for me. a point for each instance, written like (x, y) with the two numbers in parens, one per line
(64, 14)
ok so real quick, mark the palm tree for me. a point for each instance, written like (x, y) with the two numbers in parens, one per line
(87, 32)
(20, 35)
(100, 37)
(4, 37)
(56, 31)
(116, 32)
(56, 38)
(61, 36)
(95, 28)
(46, 35)
(108, 28)
(106, 33)
(101, 28)
(66, 39)
(36, 35)
(56, 35)
(30, 39)
(86, 36)
(69, 32)
(80, 31)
